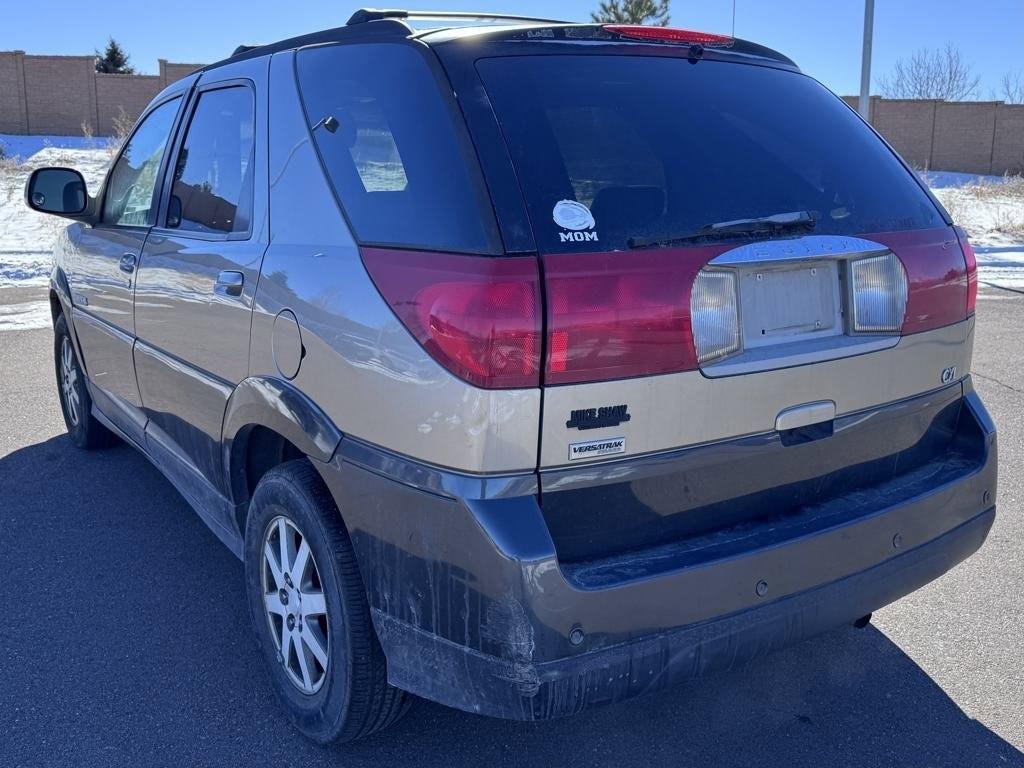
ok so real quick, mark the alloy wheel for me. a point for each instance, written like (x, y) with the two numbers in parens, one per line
(69, 380)
(293, 600)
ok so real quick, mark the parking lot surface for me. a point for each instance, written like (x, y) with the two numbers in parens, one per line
(125, 639)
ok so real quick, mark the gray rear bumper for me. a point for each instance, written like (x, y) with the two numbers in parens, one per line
(474, 609)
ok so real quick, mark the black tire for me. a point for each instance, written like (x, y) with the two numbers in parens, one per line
(83, 428)
(354, 698)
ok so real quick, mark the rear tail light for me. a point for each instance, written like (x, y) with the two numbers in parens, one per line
(669, 35)
(714, 311)
(972, 270)
(477, 316)
(615, 315)
(878, 294)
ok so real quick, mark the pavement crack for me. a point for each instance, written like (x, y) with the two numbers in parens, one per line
(997, 381)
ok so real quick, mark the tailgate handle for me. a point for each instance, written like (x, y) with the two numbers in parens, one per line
(805, 415)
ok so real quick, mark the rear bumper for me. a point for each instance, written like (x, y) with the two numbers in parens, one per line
(454, 675)
(474, 609)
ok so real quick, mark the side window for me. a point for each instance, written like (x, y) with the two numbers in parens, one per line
(129, 195)
(395, 150)
(213, 174)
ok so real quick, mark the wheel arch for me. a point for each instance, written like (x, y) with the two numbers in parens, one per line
(268, 421)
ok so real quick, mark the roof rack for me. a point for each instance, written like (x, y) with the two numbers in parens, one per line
(364, 15)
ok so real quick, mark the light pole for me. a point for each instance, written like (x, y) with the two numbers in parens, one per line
(864, 103)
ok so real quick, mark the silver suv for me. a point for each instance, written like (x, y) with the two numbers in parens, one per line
(527, 365)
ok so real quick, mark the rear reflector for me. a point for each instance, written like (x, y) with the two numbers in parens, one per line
(669, 35)
(477, 316)
(879, 294)
(972, 269)
(614, 316)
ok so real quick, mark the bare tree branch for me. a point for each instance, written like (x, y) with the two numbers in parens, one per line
(936, 74)
(1011, 88)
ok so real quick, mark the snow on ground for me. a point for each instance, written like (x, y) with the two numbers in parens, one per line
(990, 208)
(26, 236)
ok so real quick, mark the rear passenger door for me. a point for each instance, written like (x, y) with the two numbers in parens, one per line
(195, 289)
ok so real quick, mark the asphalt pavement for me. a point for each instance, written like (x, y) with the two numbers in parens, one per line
(125, 640)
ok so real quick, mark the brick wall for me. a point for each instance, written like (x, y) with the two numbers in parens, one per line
(64, 95)
(984, 137)
(130, 93)
(61, 94)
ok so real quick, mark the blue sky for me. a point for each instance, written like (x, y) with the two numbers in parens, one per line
(823, 36)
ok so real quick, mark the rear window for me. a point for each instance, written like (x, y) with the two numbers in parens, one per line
(610, 148)
(393, 148)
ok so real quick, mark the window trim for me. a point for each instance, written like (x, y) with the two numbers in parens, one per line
(494, 244)
(183, 97)
(160, 224)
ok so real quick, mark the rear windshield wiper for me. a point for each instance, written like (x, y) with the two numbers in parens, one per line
(764, 225)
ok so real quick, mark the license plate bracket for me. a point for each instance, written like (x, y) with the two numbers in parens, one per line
(782, 303)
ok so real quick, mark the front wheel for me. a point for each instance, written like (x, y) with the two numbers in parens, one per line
(83, 428)
(309, 610)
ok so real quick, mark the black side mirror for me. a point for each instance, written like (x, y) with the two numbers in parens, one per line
(60, 191)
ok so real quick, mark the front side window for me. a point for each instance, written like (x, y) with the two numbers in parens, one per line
(129, 195)
(213, 175)
(395, 152)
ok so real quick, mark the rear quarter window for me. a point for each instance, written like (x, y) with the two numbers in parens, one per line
(396, 151)
(656, 146)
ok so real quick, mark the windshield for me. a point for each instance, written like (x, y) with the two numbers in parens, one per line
(614, 149)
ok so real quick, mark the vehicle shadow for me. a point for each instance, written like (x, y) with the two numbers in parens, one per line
(133, 646)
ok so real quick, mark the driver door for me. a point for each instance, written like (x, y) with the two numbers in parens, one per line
(102, 269)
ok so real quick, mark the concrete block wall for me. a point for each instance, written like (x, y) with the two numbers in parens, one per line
(130, 93)
(984, 137)
(65, 96)
(61, 94)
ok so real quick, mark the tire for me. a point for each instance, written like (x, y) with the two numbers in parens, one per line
(76, 405)
(349, 696)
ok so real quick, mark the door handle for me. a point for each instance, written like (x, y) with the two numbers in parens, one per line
(127, 263)
(229, 283)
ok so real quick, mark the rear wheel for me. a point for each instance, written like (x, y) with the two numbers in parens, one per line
(83, 428)
(309, 610)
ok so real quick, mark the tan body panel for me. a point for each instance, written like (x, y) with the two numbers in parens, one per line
(360, 366)
(683, 409)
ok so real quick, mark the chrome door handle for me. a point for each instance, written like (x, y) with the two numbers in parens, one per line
(229, 283)
(127, 263)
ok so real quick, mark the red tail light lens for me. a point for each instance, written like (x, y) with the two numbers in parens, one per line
(614, 315)
(669, 35)
(972, 270)
(477, 316)
(937, 281)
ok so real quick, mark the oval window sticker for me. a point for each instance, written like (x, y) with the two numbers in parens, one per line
(568, 214)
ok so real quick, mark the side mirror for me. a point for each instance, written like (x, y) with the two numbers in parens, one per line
(60, 191)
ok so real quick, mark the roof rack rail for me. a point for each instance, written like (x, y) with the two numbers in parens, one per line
(364, 15)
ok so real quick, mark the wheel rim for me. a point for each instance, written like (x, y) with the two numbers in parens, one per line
(293, 601)
(69, 380)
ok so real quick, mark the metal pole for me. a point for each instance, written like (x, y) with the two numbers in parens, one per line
(734, 18)
(864, 103)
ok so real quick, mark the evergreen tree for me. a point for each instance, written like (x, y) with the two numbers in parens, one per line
(114, 60)
(632, 12)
